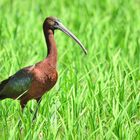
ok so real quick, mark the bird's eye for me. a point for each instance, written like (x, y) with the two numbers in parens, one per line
(56, 23)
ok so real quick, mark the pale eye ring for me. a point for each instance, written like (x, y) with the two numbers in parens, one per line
(56, 23)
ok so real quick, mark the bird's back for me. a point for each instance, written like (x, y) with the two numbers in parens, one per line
(15, 85)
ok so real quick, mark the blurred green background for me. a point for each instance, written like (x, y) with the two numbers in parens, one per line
(97, 96)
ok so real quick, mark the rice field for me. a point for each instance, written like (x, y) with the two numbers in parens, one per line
(97, 96)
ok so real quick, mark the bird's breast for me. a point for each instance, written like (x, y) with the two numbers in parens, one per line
(43, 81)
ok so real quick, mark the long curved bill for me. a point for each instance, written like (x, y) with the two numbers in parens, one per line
(61, 27)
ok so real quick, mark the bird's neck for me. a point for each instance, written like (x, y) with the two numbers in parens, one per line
(51, 46)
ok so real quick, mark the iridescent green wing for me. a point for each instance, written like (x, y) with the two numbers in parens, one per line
(16, 85)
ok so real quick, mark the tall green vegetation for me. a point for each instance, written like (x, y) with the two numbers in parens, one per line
(97, 96)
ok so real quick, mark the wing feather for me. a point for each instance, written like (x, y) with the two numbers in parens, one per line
(16, 85)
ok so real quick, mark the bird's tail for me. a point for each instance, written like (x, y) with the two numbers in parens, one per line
(2, 97)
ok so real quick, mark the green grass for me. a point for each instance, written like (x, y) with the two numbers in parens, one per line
(97, 96)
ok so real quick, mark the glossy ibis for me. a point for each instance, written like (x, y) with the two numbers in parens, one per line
(33, 81)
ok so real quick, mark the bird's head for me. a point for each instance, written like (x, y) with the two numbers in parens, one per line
(53, 23)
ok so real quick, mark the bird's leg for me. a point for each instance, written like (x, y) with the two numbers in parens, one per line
(23, 103)
(38, 101)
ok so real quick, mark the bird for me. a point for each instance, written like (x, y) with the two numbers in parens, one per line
(33, 81)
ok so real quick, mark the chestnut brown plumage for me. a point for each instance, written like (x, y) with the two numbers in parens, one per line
(33, 81)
